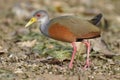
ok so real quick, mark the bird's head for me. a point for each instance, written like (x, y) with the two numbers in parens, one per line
(38, 16)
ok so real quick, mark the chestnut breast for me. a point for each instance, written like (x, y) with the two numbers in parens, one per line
(61, 32)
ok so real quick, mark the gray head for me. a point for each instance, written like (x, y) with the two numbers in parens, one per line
(41, 14)
(38, 16)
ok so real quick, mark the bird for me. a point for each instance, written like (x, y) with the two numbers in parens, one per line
(68, 28)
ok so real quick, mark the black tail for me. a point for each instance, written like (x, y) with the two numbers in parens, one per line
(96, 20)
(100, 21)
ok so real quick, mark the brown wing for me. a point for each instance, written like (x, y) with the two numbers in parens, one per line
(80, 28)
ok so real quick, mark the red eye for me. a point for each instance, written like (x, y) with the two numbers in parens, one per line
(38, 15)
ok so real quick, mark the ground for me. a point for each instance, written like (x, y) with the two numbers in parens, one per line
(26, 54)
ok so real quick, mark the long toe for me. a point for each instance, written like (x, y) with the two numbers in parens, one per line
(87, 64)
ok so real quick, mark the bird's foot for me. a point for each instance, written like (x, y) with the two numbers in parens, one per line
(87, 64)
(70, 65)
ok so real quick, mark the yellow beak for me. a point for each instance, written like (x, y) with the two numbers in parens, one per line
(32, 20)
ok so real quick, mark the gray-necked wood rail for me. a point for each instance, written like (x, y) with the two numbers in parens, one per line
(68, 29)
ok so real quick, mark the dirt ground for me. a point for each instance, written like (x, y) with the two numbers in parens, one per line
(26, 54)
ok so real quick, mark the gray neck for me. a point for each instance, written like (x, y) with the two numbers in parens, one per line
(44, 25)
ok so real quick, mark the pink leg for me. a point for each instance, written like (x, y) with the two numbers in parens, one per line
(73, 55)
(87, 64)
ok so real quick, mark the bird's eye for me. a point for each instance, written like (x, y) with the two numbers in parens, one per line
(38, 15)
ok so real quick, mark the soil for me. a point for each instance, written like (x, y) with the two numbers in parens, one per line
(26, 54)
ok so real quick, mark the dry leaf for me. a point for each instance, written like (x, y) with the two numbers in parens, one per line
(27, 43)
